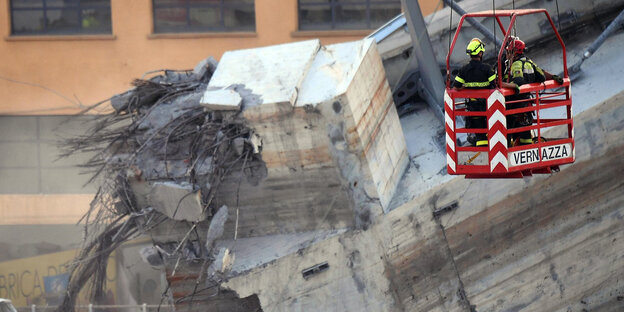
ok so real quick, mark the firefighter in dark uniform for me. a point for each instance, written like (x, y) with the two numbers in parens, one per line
(477, 75)
(523, 71)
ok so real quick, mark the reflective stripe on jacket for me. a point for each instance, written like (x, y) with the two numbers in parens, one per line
(475, 75)
(524, 71)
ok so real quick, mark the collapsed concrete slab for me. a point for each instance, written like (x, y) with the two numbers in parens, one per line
(294, 151)
(332, 150)
(221, 99)
(274, 73)
(176, 201)
(349, 76)
(331, 138)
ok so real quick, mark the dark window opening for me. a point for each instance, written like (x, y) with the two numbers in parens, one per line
(177, 16)
(307, 273)
(60, 17)
(346, 14)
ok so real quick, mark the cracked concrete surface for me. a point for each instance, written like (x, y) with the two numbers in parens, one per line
(500, 250)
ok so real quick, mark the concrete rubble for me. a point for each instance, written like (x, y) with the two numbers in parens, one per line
(293, 152)
(178, 202)
(284, 186)
(221, 99)
(215, 230)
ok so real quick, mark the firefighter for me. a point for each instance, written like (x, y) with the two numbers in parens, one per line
(523, 71)
(477, 75)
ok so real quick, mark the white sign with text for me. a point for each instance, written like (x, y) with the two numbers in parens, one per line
(530, 156)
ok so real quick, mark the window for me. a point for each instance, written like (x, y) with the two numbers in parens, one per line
(29, 155)
(346, 14)
(60, 17)
(173, 16)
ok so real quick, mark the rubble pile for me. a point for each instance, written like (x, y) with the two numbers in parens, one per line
(160, 157)
(229, 169)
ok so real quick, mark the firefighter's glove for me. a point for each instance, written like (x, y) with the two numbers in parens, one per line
(557, 79)
(517, 90)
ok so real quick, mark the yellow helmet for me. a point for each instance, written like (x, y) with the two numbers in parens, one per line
(475, 46)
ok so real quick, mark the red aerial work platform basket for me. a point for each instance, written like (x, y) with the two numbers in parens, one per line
(499, 159)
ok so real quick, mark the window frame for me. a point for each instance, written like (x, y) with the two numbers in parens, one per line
(79, 7)
(333, 4)
(187, 5)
